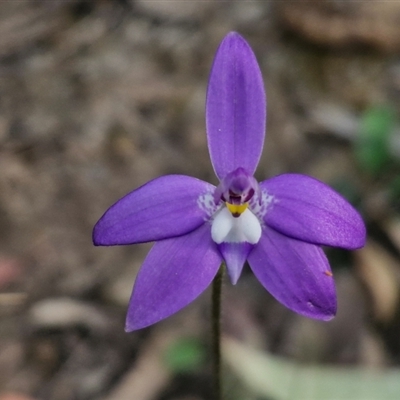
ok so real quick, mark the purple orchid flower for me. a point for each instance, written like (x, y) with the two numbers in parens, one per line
(278, 225)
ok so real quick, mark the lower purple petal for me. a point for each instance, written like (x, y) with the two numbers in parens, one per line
(235, 255)
(174, 273)
(165, 207)
(296, 273)
(309, 210)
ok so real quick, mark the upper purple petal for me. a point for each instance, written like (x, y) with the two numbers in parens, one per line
(164, 207)
(174, 273)
(307, 209)
(296, 273)
(235, 108)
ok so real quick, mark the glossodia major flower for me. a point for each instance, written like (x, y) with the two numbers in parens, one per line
(277, 225)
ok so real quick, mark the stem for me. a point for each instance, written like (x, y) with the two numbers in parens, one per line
(216, 331)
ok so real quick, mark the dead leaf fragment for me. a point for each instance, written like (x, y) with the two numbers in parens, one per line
(379, 271)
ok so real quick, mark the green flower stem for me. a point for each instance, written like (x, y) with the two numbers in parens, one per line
(216, 331)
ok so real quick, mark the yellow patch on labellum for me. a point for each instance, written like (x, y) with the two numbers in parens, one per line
(237, 209)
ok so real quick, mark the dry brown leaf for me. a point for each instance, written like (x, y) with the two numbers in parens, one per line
(392, 228)
(15, 396)
(379, 271)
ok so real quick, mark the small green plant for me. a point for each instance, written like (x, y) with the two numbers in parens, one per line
(185, 355)
(372, 147)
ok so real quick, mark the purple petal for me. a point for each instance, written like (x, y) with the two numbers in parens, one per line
(235, 108)
(296, 273)
(174, 273)
(164, 207)
(235, 255)
(307, 209)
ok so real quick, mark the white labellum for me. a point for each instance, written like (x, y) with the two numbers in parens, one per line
(228, 229)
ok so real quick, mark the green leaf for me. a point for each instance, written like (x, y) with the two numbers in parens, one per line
(372, 144)
(268, 375)
(186, 354)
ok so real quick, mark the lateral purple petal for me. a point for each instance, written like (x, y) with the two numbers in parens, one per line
(162, 208)
(296, 273)
(175, 272)
(235, 108)
(307, 209)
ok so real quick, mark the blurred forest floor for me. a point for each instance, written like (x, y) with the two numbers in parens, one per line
(97, 98)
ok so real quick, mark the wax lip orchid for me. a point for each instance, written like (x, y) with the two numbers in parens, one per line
(277, 225)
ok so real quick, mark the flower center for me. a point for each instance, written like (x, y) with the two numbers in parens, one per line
(235, 222)
(236, 190)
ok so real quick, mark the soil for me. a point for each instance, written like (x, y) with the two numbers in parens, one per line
(98, 97)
